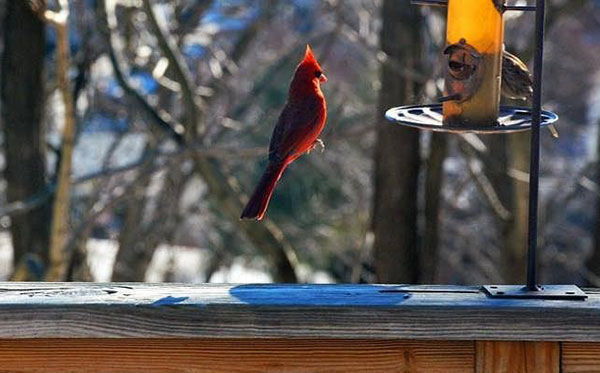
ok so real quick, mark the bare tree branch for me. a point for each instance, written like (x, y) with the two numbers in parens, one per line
(484, 185)
(104, 204)
(167, 158)
(189, 17)
(268, 11)
(267, 78)
(179, 67)
(392, 62)
(108, 25)
(31, 203)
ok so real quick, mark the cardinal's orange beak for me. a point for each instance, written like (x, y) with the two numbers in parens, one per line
(323, 79)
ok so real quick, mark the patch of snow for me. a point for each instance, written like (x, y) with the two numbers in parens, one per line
(101, 258)
(188, 265)
(6, 256)
(241, 272)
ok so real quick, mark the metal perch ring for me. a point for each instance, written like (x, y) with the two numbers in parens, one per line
(429, 117)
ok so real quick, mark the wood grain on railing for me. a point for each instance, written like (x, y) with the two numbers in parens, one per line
(36, 310)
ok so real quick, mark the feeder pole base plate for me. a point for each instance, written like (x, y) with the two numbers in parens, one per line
(556, 292)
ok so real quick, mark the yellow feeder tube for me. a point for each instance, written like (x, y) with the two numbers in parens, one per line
(478, 26)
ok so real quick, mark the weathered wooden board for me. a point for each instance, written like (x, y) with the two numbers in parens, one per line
(234, 355)
(580, 357)
(66, 310)
(514, 357)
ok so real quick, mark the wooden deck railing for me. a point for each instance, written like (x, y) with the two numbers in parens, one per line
(66, 327)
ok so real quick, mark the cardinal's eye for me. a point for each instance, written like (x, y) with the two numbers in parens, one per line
(318, 74)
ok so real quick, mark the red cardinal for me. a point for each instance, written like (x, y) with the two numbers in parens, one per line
(297, 131)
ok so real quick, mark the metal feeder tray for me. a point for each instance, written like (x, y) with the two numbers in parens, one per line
(429, 117)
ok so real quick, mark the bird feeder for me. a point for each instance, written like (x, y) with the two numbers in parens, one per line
(471, 103)
(475, 39)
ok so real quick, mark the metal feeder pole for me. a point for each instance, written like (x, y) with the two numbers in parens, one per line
(534, 169)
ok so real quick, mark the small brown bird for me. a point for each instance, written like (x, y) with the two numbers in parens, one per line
(517, 83)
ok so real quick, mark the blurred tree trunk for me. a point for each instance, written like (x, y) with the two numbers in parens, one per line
(514, 254)
(593, 263)
(397, 153)
(138, 241)
(506, 164)
(132, 243)
(78, 268)
(433, 190)
(22, 95)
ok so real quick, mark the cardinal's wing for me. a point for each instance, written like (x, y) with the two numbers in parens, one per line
(295, 123)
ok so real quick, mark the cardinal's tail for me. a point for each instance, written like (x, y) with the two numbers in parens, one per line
(258, 203)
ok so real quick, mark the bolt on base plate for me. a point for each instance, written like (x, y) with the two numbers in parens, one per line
(557, 292)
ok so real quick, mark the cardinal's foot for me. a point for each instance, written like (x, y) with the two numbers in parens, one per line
(318, 142)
